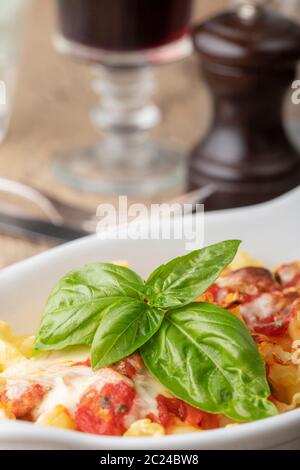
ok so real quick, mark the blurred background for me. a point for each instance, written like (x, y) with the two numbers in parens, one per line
(53, 100)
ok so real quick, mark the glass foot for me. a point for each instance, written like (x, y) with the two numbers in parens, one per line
(99, 169)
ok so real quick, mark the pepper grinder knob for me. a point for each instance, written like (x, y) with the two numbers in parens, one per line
(248, 60)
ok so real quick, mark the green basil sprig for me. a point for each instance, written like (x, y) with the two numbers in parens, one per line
(206, 356)
(183, 279)
(74, 309)
(200, 352)
(124, 328)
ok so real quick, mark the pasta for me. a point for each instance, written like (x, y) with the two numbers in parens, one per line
(61, 390)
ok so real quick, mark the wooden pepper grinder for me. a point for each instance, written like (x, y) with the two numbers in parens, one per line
(248, 59)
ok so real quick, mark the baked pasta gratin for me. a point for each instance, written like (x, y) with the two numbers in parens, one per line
(60, 389)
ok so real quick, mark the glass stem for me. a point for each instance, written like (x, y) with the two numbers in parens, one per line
(125, 114)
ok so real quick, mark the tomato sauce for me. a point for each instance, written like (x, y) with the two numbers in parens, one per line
(171, 408)
(103, 411)
(24, 403)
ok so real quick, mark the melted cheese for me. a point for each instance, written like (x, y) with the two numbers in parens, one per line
(67, 381)
(147, 389)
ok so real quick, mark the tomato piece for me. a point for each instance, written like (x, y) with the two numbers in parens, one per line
(270, 313)
(244, 285)
(289, 274)
(128, 366)
(272, 327)
(261, 278)
(196, 417)
(103, 411)
(211, 295)
(171, 408)
(22, 398)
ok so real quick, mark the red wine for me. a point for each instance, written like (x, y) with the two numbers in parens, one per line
(123, 25)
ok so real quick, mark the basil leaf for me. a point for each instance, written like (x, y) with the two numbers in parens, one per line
(183, 279)
(125, 326)
(206, 356)
(74, 308)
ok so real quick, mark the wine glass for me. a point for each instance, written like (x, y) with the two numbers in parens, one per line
(12, 22)
(124, 40)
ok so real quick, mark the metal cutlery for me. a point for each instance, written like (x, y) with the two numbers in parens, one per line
(36, 229)
(63, 222)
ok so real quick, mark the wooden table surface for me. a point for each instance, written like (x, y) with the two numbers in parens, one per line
(51, 113)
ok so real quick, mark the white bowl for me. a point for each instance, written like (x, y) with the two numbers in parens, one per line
(269, 231)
